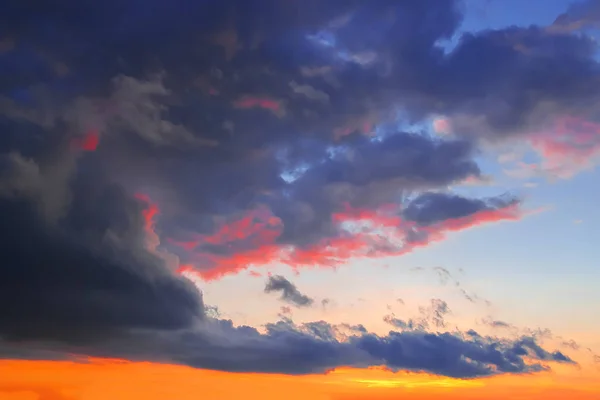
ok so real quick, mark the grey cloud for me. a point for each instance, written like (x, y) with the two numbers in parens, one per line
(528, 64)
(137, 108)
(571, 344)
(243, 170)
(430, 208)
(314, 348)
(444, 275)
(309, 92)
(326, 303)
(497, 324)
(431, 315)
(436, 312)
(134, 106)
(86, 274)
(76, 266)
(409, 324)
(368, 174)
(289, 291)
(285, 310)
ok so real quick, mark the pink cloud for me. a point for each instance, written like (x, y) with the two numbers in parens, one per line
(441, 126)
(570, 146)
(378, 233)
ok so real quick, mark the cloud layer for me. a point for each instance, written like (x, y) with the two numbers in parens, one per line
(149, 140)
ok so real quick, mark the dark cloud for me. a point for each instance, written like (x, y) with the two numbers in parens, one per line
(316, 347)
(367, 173)
(268, 113)
(260, 131)
(289, 291)
(84, 271)
(526, 75)
(430, 208)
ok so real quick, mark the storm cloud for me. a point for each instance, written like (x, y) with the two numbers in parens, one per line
(87, 274)
(140, 141)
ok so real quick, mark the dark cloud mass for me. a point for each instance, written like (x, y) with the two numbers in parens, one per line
(143, 140)
(87, 275)
(317, 347)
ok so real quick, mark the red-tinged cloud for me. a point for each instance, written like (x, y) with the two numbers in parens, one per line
(255, 224)
(363, 125)
(187, 245)
(149, 213)
(439, 231)
(164, 132)
(256, 227)
(383, 216)
(387, 231)
(219, 266)
(89, 142)
(266, 103)
(508, 213)
(441, 125)
(572, 145)
(152, 239)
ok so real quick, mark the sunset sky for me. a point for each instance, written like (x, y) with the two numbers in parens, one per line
(324, 199)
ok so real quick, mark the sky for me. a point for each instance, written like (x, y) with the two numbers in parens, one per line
(341, 200)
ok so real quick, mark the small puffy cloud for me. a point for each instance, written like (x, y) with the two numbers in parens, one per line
(289, 291)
